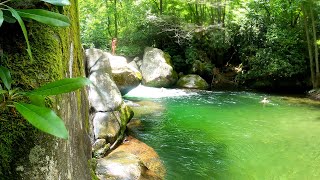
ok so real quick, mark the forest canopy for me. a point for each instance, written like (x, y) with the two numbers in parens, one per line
(271, 40)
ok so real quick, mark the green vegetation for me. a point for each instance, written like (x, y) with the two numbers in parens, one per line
(36, 113)
(20, 97)
(273, 41)
(12, 15)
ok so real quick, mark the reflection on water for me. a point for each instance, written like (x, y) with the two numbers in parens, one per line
(230, 135)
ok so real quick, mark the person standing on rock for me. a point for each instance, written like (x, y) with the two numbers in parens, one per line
(113, 45)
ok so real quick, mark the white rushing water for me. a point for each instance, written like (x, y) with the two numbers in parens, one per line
(151, 92)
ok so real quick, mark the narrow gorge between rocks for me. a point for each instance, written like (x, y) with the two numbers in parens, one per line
(229, 135)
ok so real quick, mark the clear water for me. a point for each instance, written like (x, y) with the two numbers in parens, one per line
(230, 135)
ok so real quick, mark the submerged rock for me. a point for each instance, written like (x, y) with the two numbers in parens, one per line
(156, 69)
(146, 107)
(192, 81)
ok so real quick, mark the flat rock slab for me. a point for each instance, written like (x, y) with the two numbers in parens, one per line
(119, 165)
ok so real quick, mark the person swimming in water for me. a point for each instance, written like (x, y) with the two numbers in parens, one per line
(265, 101)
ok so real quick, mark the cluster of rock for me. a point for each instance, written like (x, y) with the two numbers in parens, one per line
(109, 115)
(112, 77)
(154, 70)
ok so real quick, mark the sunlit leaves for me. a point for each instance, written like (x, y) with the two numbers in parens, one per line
(45, 17)
(61, 86)
(36, 113)
(43, 118)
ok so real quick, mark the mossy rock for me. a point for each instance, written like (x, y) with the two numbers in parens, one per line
(192, 81)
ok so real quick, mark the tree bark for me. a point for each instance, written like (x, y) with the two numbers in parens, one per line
(161, 6)
(115, 19)
(309, 45)
(57, 54)
(316, 54)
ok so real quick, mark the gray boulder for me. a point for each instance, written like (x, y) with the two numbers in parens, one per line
(120, 165)
(156, 69)
(104, 94)
(96, 59)
(192, 81)
(124, 75)
(109, 114)
(135, 65)
(138, 62)
(106, 125)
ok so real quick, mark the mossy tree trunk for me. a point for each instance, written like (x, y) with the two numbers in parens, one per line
(27, 153)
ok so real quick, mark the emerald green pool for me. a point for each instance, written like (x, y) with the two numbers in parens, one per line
(230, 135)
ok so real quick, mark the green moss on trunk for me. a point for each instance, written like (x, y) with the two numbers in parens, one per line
(57, 54)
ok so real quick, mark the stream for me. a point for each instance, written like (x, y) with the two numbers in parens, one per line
(231, 135)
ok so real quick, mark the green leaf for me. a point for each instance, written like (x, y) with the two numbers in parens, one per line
(37, 100)
(61, 86)
(23, 28)
(46, 17)
(5, 77)
(3, 91)
(43, 118)
(8, 17)
(58, 2)
(1, 17)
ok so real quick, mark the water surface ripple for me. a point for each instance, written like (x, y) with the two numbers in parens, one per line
(230, 135)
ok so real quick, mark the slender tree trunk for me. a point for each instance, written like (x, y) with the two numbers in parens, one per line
(224, 12)
(161, 6)
(212, 15)
(197, 15)
(108, 21)
(115, 19)
(316, 54)
(193, 15)
(309, 45)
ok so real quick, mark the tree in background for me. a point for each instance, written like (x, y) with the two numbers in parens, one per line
(309, 9)
(268, 38)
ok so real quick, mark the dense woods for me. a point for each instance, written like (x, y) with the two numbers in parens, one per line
(273, 43)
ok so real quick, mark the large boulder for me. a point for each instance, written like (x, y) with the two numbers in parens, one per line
(103, 92)
(108, 113)
(124, 75)
(192, 81)
(131, 160)
(156, 69)
(120, 165)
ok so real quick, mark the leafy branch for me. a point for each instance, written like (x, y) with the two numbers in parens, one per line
(35, 112)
